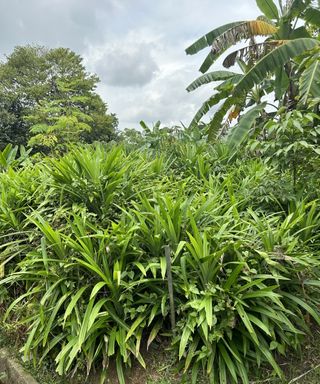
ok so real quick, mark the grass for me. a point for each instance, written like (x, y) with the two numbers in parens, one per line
(215, 269)
(45, 374)
(300, 367)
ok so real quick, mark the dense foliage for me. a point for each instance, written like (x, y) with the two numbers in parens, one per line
(83, 241)
(47, 99)
(208, 246)
(266, 69)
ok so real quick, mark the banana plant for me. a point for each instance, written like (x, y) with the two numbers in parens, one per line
(309, 83)
(269, 60)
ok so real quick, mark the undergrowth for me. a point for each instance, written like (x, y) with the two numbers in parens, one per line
(86, 276)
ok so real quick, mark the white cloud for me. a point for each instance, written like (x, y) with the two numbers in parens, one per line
(124, 62)
(136, 47)
(164, 98)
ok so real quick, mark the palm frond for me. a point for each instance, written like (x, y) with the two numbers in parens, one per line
(268, 8)
(207, 105)
(207, 39)
(312, 16)
(310, 80)
(235, 34)
(273, 60)
(243, 31)
(215, 123)
(210, 77)
(240, 131)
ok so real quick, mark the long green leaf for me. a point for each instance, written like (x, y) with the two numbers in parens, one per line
(310, 81)
(246, 321)
(304, 305)
(134, 326)
(312, 16)
(95, 313)
(272, 61)
(259, 323)
(233, 277)
(215, 123)
(208, 310)
(210, 77)
(74, 301)
(241, 130)
(31, 335)
(230, 364)
(120, 372)
(271, 360)
(222, 371)
(184, 341)
(207, 105)
(268, 8)
(153, 333)
(84, 325)
(49, 325)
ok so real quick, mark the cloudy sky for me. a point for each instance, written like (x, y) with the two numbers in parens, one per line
(135, 46)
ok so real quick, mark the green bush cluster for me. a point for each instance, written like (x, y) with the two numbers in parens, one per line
(82, 246)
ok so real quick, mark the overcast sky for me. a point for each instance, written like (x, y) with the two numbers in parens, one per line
(136, 47)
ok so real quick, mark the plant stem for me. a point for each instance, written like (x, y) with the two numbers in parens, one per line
(170, 286)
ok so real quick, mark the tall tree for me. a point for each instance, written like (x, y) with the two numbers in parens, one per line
(48, 98)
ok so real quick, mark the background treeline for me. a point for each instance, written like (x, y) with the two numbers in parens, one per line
(47, 99)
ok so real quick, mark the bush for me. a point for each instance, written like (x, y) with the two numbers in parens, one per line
(83, 248)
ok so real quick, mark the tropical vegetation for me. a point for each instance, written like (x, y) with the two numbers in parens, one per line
(203, 239)
(47, 100)
(288, 34)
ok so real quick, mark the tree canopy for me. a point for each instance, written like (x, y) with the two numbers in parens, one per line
(48, 98)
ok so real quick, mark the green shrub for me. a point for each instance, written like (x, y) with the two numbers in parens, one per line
(83, 241)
